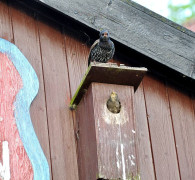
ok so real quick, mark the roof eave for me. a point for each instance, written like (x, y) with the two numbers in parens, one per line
(136, 27)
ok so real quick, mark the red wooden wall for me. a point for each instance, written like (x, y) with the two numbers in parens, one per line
(165, 114)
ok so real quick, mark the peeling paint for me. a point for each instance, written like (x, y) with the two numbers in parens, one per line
(132, 163)
(133, 131)
(123, 161)
(117, 157)
(133, 157)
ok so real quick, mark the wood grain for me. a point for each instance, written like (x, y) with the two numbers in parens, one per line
(27, 39)
(161, 130)
(115, 133)
(61, 131)
(145, 159)
(54, 98)
(5, 22)
(106, 141)
(86, 136)
(142, 30)
(77, 57)
(183, 116)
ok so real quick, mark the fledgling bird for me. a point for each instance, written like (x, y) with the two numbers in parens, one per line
(102, 49)
(113, 103)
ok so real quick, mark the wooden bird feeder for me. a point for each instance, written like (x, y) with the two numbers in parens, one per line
(106, 140)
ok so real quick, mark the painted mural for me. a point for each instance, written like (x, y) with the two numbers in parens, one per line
(21, 156)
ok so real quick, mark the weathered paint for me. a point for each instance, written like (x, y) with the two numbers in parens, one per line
(11, 83)
(106, 142)
(19, 86)
(5, 167)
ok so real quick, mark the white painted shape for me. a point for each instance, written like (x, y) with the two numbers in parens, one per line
(123, 162)
(133, 131)
(5, 168)
(133, 157)
(132, 163)
(117, 158)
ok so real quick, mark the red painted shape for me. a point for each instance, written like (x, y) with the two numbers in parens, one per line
(10, 84)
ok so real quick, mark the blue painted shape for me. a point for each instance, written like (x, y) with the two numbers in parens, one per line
(22, 107)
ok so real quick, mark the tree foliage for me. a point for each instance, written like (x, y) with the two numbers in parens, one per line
(183, 12)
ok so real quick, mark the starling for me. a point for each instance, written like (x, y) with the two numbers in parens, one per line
(113, 103)
(102, 49)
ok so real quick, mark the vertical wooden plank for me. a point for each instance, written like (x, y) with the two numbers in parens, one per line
(161, 130)
(77, 54)
(77, 62)
(5, 22)
(145, 158)
(62, 139)
(184, 126)
(27, 40)
(87, 147)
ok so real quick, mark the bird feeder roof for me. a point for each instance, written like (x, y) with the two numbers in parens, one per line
(109, 73)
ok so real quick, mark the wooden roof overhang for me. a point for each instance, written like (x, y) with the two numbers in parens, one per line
(167, 48)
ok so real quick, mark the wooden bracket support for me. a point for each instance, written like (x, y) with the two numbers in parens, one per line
(106, 140)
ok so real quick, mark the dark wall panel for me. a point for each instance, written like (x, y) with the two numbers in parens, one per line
(146, 167)
(161, 130)
(184, 127)
(5, 22)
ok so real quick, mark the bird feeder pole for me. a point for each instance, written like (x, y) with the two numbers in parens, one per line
(106, 140)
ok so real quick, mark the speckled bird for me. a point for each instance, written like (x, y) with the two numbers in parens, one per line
(102, 49)
(113, 103)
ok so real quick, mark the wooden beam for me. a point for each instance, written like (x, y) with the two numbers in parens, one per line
(137, 28)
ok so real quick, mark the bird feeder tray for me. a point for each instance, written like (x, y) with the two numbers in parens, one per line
(109, 73)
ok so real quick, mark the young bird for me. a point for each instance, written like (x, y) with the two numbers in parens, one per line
(102, 49)
(113, 103)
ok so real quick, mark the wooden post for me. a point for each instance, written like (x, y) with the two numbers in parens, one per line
(106, 140)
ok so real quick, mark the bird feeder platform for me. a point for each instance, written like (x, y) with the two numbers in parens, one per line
(109, 73)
